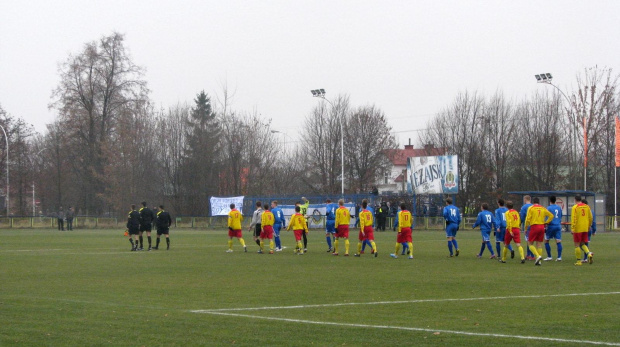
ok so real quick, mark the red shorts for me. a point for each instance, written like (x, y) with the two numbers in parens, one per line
(234, 233)
(267, 232)
(342, 231)
(537, 233)
(369, 234)
(298, 234)
(404, 235)
(516, 237)
(580, 237)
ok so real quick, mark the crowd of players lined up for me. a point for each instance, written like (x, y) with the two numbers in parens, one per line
(539, 223)
(143, 220)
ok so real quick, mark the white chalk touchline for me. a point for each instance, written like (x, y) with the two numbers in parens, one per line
(418, 329)
(397, 302)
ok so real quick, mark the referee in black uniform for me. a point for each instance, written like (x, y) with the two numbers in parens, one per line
(146, 220)
(163, 222)
(133, 226)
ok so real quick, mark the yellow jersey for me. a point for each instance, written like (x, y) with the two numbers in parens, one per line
(366, 219)
(267, 219)
(234, 219)
(581, 218)
(513, 220)
(404, 219)
(343, 217)
(537, 215)
(298, 222)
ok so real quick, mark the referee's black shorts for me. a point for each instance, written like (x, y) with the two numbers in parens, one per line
(257, 230)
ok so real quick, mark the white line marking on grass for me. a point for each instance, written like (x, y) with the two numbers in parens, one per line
(418, 329)
(399, 302)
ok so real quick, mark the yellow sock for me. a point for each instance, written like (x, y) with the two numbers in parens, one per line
(397, 248)
(521, 253)
(540, 251)
(410, 244)
(271, 245)
(262, 245)
(359, 247)
(229, 244)
(578, 253)
(336, 246)
(504, 253)
(346, 246)
(242, 242)
(534, 251)
(300, 246)
(374, 246)
(585, 249)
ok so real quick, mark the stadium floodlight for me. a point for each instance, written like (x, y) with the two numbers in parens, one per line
(313, 92)
(549, 77)
(538, 78)
(322, 91)
(544, 78)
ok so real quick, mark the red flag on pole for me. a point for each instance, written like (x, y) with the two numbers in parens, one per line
(617, 142)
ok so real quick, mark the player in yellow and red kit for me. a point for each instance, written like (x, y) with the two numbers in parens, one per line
(234, 228)
(343, 219)
(366, 230)
(581, 221)
(267, 221)
(536, 218)
(513, 232)
(299, 226)
(405, 221)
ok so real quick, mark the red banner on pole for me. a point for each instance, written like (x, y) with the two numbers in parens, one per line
(617, 142)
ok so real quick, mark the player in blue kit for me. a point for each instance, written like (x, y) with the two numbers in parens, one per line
(486, 221)
(523, 213)
(330, 223)
(500, 231)
(279, 223)
(452, 215)
(554, 229)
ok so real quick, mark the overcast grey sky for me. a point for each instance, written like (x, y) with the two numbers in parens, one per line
(410, 58)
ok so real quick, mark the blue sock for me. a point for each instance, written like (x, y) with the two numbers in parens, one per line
(450, 246)
(585, 255)
(405, 248)
(559, 250)
(329, 241)
(529, 253)
(510, 248)
(498, 247)
(456, 245)
(490, 247)
(277, 239)
(364, 245)
(548, 249)
(481, 249)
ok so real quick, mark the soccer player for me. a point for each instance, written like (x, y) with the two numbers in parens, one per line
(452, 215)
(279, 223)
(267, 221)
(300, 227)
(366, 242)
(366, 231)
(486, 221)
(146, 220)
(500, 231)
(343, 219)
(330, 223)
(536, 218)
(234, 228)
(404, 231)
(304, 211)
(591, 232)
(581, 222)
(133, 226)
(554, 229)
(163, 226)
(404, 244)
(256, 219)
(513, 232)
(523, 213)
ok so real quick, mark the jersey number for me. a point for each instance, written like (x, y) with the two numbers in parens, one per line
(488, 218)
(453, 213)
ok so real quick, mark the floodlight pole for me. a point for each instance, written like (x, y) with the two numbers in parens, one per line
(7, 170)
(585, 135)
(320, 93)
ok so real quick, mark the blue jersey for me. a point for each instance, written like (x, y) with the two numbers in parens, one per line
(500, 217)
(452, 214)
(485, 220)
(556, 211)
(523, 212)
(330, 211)
(278, 216)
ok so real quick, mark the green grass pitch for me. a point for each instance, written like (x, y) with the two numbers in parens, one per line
(86, 288)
